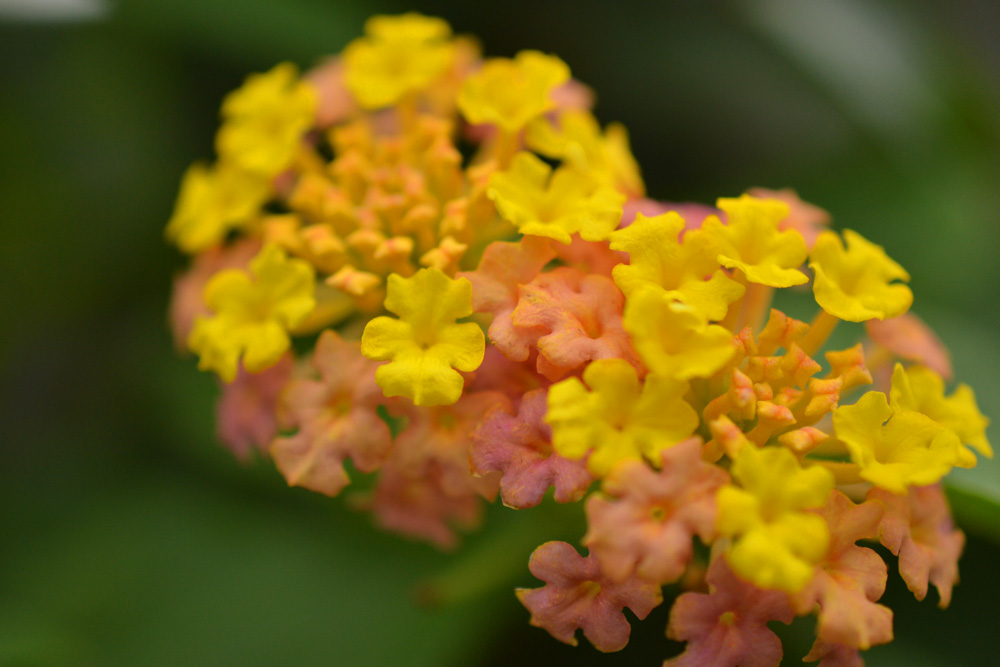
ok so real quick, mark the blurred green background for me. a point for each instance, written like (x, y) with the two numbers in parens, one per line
(128, 536)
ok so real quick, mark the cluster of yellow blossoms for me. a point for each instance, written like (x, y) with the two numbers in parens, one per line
(397, 202)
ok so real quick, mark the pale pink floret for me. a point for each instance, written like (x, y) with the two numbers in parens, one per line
(573, 96)
(645, 520)
(728, 626)
(578, 595)
(245, 415)
(849, 580)
(919, 529)
(418, 506)
(502, 269)
(578, 318)
(834, 655)
(335, 417)
(590, 256)
(519, 448)
(426, 489)
(803, 217)
(440, 438)
(908, 337)
(693, 213)
(186, 303)
(648, 207)
(334, 102)
(498, 373)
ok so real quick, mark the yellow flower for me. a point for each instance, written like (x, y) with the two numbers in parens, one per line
(399, 55)
(409, 27)
(658, 259)
(265, 120)
(617, 419)
(510, 93)
(426, 347)
(252, 317)
(542, 203)
(895, 449)
(920, 389)
(778, 544)
(856, 284)
(213, 201)
(752, 243)
(674, 339)
(576, 138)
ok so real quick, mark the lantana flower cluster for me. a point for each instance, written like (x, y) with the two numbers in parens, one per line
(440, 270)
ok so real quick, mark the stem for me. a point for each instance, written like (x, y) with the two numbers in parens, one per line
(407, 110)
(819, 331)
(506, 146)
(843, 473)
(500, 559)
(734, 314)
(756, 304)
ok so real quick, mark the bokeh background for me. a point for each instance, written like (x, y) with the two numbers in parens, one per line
(128, 536)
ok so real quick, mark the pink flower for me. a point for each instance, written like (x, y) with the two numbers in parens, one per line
(834, 655)
(576, 317)
(335, 103)
(245, 415)
(519, 448)
(729, 625)
(573, 95)
(908, 337)
(498, 373)
(502, 269)
(578, 595)
(590, 256)
(850, 579)
(419, 506)
(645, 519)
(335, 417)
(693, 213)
(919, 529)
(440, 437)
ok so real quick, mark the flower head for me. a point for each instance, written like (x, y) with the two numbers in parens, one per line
(407, 186)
